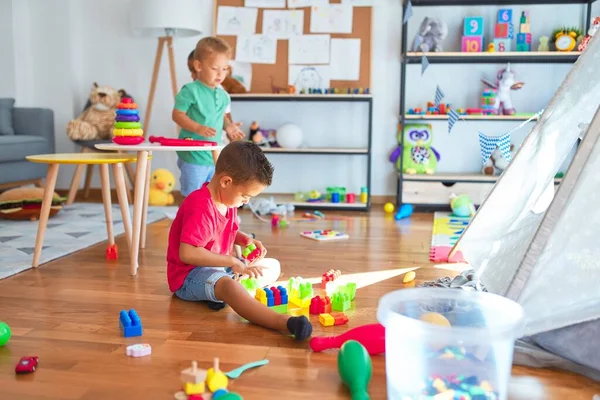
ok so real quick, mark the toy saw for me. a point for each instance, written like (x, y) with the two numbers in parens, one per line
(165, 141)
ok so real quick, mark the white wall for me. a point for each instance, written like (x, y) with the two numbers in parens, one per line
(55, 64)
(7, 65)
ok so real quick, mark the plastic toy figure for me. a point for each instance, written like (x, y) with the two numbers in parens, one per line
(504, 84)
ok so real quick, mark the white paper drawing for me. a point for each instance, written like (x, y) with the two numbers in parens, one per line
(242, 72)
(309, 49)
(306, 3)
(265, 3)
(283, 24)
(258, 49)
(305, 77)
(358, 3)
(236, 21)
(332, 18)
(345, 59)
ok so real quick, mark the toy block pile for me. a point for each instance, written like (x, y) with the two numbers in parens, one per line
(299, 292)
(524, 35)
(275, 297)
(503, 31)
(130, 323)
(331, 319)
(472, 40)
(488, 100)
(196, 381)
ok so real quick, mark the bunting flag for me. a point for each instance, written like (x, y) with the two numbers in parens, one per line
(408, 12)
(488, 145)
(439, 95)
(424, 64)
(453, 116)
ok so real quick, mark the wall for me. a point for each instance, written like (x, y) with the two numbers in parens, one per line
(7, 65)
(55, 64)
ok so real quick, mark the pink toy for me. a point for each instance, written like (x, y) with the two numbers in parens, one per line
(472, 44)
(371, 336)
(504, 84)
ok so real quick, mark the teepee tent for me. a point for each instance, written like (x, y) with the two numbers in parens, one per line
(538, 243)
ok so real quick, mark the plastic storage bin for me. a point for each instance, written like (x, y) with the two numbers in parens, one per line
(471, 359)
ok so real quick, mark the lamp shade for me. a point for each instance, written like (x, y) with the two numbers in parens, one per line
(167, 17)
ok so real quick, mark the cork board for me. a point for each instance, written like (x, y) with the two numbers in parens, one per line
(265, 76)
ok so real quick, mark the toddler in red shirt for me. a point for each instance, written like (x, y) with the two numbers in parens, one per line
(200, 265)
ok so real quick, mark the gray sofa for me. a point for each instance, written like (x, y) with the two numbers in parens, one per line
(23, 132)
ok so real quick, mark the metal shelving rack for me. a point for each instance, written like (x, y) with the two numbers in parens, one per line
(471, 58)
(327, 151)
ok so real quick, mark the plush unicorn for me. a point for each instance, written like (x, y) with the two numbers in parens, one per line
(504, 84)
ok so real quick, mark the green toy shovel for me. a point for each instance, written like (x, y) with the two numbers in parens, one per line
(355, 369)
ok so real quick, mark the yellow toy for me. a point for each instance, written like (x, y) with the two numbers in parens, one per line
(162, 183)
(215, 379)
(388, 208)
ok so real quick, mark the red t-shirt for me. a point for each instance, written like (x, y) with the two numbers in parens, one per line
(198, 223)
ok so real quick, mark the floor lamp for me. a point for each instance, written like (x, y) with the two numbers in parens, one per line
(165, 19)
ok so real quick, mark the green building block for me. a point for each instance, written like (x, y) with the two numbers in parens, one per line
(340, 302)
(281, 309)
(349, 289)
(248, 250)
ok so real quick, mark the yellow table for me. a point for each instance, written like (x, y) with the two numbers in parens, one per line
(101, 159)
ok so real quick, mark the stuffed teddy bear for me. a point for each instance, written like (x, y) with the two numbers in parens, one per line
(96, 122)
(496, 164)
(430, 36)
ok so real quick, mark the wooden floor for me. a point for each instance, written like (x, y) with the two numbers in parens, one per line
(66, 312)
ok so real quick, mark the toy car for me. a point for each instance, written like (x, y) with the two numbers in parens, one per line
(26, 365)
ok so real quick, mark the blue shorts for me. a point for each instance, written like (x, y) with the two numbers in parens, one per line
(200, 283)
(193, 176)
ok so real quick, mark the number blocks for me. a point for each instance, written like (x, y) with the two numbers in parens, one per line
(327, 319)
(324, 235)
(275, 297)
(130, 323)
(524, 35)
(472, 40)
(488, 101)
(503, 31)
(299, 292)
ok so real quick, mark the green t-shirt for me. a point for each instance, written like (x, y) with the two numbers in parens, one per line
(206, 106)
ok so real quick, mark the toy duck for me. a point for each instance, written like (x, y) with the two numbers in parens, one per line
(162, 183)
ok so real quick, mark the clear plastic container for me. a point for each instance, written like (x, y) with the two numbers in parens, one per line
(471, 359)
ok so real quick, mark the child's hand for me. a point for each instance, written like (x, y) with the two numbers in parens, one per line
(206, 131)
(239, 268)
(234, 132)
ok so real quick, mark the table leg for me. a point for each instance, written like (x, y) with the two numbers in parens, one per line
(123, 203)
(145, 210)
(138, 197)
(105, 185)
(45, 211)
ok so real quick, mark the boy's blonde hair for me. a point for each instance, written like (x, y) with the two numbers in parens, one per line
(209, 46)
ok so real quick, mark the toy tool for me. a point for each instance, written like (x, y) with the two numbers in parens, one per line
(235, 373)
(371, 336)
(165, 141)
(355, 369)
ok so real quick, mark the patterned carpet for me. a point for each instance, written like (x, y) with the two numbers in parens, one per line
(74, 228)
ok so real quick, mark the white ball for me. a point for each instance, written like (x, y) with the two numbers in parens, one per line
(289, 136)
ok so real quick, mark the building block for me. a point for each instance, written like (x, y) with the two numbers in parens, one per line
(250, 284)
(473, 26)
(193, 374)
(261, 296)
(523, 47)
(501, 30)
(112, 252)
(130, 323)
(525, 28)
(326, 319)
(340, 302)
(299, 292)
(349, 289)
(472, 44)
(524, 38)
(193, 388)
(340, 318)
(270, 299)
(276, 296)
(251, 252)
(138, 350)
(281, 309)
(320, 305)
(502, 45)
(284, 294)
(324, 235)
(504, 15)
(330, 276)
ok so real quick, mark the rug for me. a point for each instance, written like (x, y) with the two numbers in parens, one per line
(447, 228)
(74, 228)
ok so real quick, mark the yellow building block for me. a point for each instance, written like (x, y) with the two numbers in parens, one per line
(193, 388)
(261, 296)
(326, 319)
(302, 303)
(193, 374)
(525, 28)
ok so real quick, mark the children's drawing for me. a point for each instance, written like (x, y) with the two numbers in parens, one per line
(305, 77)
(283, 24)
(258, 49)
(309, 49)
(332, 18)
(236, 20)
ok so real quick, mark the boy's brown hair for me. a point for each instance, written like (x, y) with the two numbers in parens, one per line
(211, 45)
(244, 162)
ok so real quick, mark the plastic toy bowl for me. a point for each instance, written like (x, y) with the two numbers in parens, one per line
(472, 356)
(271, 271)
(128, 140)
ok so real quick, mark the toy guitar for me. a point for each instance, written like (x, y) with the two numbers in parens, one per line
(165, 141)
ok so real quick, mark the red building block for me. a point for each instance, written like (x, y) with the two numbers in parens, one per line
(329, 276)
(320, 305)
(112, 252)
(276, 296)
(340, 318)
(501, 31)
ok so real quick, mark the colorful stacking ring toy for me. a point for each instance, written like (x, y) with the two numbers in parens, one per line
(127, 128)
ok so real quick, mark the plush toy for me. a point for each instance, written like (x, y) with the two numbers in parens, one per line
(430, 36)
(418, 155)
(162, 183)
(496, 164)
(26, 203)
(593, 29)
(505, 82)
(232, 85)
(96, 122)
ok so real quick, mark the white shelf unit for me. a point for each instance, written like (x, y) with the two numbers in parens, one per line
(288, 198)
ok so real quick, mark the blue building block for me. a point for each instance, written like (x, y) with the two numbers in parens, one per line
(473, 26)
(270, 298)
(284, 294)
(504, 15)
(130, 323)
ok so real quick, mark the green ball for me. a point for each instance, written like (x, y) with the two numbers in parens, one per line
(4, 333)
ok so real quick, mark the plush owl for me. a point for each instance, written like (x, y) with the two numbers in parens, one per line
(418, 155)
